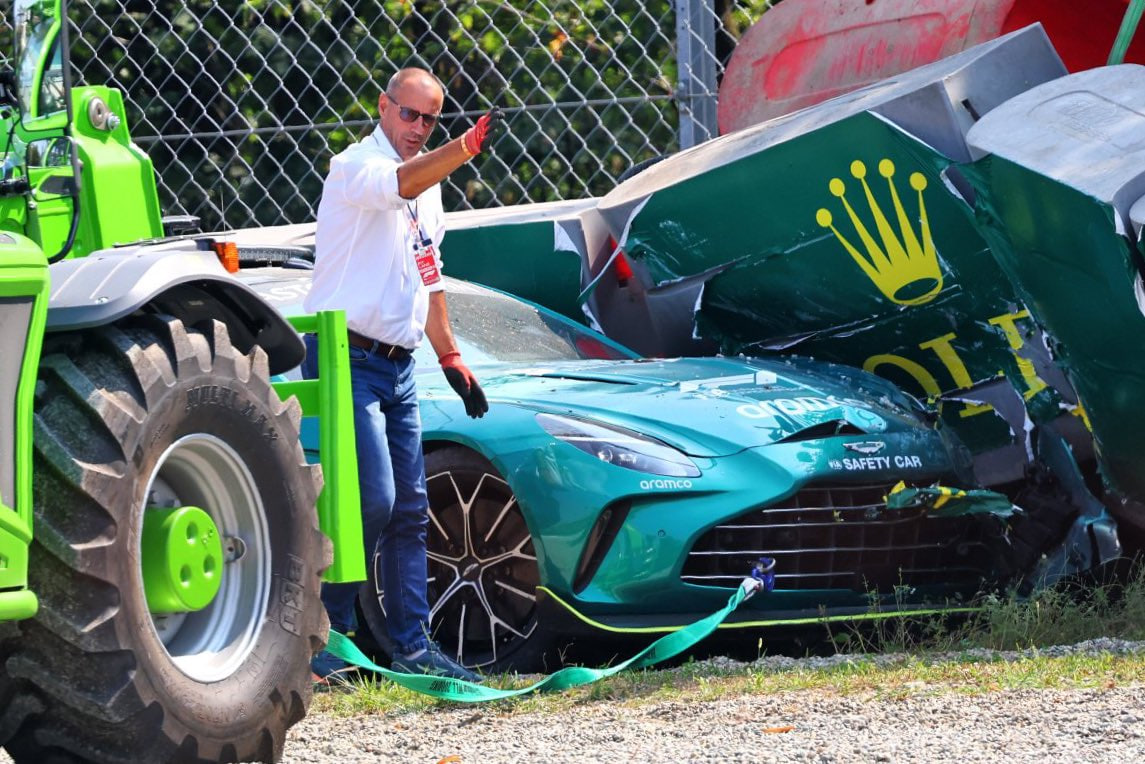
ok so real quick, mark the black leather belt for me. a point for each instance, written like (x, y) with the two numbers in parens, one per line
(392, 352)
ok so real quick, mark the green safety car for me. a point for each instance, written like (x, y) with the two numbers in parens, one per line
(607, 493)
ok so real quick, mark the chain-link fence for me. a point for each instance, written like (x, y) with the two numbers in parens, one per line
(241, 105)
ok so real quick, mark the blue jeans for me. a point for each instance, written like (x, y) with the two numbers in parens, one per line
(395, 509)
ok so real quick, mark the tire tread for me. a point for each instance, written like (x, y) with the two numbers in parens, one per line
(68, 679)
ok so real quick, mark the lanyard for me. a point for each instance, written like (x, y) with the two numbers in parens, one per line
(421, 240)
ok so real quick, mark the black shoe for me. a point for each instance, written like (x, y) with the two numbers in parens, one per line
(435, 663)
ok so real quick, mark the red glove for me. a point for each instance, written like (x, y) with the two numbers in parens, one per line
(463, 382)
(475, 139)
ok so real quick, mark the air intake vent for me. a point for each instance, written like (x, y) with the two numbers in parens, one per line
(844, 537)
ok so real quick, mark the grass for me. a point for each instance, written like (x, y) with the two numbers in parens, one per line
(1065, 614)
(894, 658)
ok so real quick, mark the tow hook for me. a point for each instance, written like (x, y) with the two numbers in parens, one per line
(762, 578)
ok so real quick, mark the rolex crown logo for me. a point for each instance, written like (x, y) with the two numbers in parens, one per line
(902, 264)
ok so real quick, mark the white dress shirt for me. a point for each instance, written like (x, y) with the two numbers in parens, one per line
(365, 249)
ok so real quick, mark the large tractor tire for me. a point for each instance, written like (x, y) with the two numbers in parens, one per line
(130, 420)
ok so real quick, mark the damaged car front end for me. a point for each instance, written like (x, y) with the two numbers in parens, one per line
(647, 488)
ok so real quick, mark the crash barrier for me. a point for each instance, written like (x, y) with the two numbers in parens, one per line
(241, 105)
(670, 645)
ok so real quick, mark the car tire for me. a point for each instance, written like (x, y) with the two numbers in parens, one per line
(482, 593)
(129, 418)
(639, 167)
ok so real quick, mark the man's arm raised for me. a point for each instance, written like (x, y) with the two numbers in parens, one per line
(424, 170)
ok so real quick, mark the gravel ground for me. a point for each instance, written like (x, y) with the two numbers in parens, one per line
(1103, 725)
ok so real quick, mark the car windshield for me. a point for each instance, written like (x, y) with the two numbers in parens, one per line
(491, 327)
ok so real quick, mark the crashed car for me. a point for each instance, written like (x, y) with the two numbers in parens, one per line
(605, 493)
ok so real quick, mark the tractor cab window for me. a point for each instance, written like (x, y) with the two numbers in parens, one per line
(52, 88)
(37, 27)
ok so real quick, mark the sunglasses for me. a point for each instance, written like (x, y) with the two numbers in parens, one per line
(410, 115)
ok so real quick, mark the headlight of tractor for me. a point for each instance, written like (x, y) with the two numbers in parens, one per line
(619, 446)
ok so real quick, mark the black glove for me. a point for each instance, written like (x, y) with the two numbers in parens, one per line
(463, 382)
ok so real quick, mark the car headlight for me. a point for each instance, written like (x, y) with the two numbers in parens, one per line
(619, 446)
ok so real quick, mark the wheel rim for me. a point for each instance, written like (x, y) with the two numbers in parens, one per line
(203, 471)
(482, 567)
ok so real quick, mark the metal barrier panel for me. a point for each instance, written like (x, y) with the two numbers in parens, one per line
(241, 105)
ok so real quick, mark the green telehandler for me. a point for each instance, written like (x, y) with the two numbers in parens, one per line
(162, 537)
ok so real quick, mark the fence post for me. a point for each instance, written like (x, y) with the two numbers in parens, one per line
(696, 61)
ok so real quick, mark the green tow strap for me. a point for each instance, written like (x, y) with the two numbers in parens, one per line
(663, 648)
(1125, 35)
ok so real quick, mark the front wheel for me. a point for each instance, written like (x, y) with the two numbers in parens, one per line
(482, 569)
(134, 425)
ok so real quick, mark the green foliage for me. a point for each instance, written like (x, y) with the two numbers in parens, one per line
(308, 74)
(1064, 614)
(242, 104)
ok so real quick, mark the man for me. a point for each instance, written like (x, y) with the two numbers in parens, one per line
(380, 224)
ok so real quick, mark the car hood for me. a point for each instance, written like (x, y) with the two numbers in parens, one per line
(704, 406)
